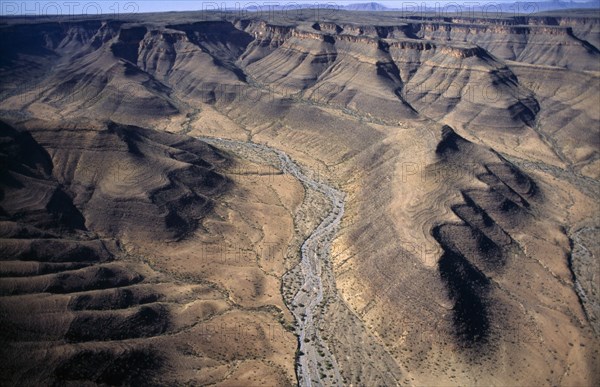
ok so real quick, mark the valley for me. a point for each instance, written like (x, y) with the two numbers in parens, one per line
(362, 198)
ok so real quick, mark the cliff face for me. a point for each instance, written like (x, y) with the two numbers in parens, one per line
(449, 69)
(587, 29)
(336, 64)
(461, 70)
(195, 59)
(538, 44)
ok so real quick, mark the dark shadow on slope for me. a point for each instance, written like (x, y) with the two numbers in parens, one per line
(26, 172)
(118, 298)
(137, 366)
(450, 142)
(145, 321)
(468, 288)
(477, 248)
(221, 40)
(77, 290)
(128, 43)
(591, 49)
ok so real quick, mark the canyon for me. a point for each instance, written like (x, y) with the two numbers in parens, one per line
(359, 199)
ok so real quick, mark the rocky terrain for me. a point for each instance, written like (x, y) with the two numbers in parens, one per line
(356, 198)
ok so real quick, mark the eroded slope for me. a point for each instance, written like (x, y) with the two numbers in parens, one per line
(83, 294)
(468, 149)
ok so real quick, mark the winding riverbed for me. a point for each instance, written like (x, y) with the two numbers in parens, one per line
(316, 363)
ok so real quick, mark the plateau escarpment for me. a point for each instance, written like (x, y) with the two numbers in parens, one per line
(388, 72)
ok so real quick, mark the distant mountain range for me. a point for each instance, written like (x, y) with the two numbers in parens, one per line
(519, 6)
(367, 7)
(524, 7)
(515, 7)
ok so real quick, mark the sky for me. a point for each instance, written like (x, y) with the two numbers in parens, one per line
(78, 7)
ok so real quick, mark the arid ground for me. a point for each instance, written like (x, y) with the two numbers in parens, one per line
(312, 198)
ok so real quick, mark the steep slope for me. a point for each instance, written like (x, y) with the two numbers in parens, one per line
(83, 296)
(568, 103)
(389, 77)
(475, 252)
(535, 43)
(159, 67)
(120, 172)
(87, 72)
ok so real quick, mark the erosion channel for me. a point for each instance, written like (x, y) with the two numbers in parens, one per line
(317, 278)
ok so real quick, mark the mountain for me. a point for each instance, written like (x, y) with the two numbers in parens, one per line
(500, 9)
(366, 7)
